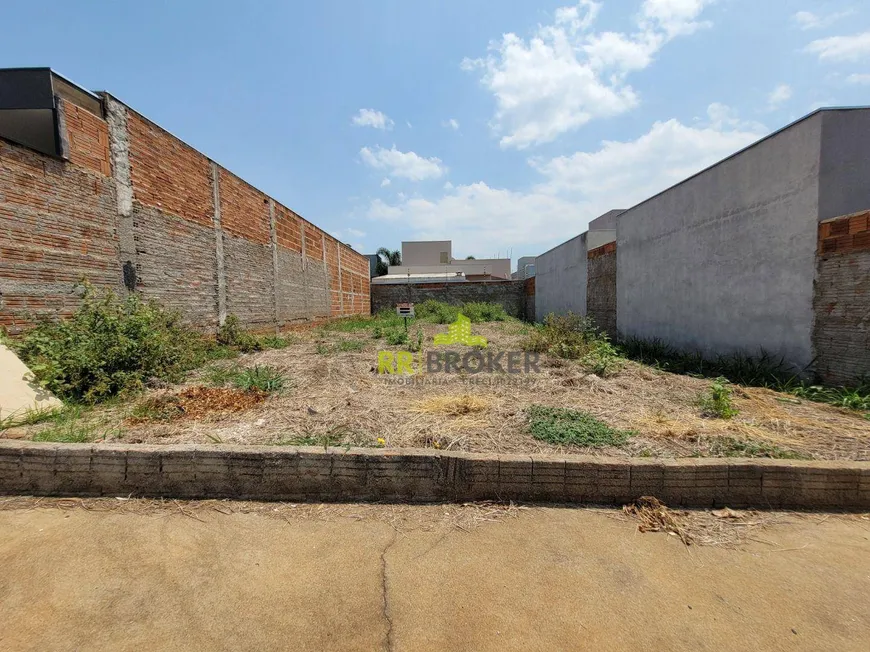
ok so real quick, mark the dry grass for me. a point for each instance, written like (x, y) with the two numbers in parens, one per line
(718, 527)
(342, 393)
(404, 518)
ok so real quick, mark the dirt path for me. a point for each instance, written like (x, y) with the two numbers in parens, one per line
(548, 579)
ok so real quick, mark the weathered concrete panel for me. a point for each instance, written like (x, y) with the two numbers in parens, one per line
(560, 279)
(724, 261)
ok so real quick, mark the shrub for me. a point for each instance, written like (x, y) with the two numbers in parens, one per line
(436, 311)
(716, 402)
(574, 337)
(565, 426)
(110, 346)
(232, 334)
(479, 311)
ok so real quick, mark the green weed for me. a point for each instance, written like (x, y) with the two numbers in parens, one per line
(565, 426)
(263, 378)
(716, 401)
(734, 447)
(762, 370)
(71, 426)
(574, 337)
(396, 337)
(350, 346)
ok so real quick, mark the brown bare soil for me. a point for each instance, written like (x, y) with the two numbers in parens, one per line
(338, 398)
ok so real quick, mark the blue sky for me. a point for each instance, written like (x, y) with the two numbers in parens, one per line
(504, 125)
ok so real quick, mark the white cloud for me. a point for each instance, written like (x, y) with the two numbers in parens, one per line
(406, 165)
(385, 182)
(858, 78)
(779, 96)
(573, 189)
(564, 75)
(372, 118)
(453, 123)
(808, 20)
(842, 48)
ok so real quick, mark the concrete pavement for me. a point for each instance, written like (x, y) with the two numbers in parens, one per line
(550, 579)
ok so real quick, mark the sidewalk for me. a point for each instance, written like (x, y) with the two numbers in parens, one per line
(548, 579)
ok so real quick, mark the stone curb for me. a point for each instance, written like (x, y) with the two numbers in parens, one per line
(422, 475)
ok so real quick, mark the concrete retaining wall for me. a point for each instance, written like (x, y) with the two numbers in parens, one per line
(510, 294)
(284, 473)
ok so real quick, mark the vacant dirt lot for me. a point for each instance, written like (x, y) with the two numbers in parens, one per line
(224, 576)
(334, 395)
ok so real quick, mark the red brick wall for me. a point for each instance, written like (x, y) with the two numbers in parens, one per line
(841, 303)
(244, 209)
(57, 226)
(287, 229)
(88, 137)
(845, 234)
(168, 174)
(59, 223)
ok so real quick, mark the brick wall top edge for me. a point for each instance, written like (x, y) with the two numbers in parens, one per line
(428, 452)
(228, 171)
(844, 217)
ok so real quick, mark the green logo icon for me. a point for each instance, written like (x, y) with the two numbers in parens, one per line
(459, 332)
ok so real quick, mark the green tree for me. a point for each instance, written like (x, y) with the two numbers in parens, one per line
(470, 258)
(387, 258)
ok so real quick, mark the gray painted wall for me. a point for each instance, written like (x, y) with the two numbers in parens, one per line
(845, 163)
(725, 260)
(560, 279)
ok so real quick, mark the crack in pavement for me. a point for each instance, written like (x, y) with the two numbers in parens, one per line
(388, 642)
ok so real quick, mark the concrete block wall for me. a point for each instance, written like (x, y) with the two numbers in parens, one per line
(190, 234)
(601, 287)
(510, 294)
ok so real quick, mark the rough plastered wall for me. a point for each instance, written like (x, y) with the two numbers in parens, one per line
(841, 334)
(601, 287)
(57, 226)
(560, 279)
(136, 209)
(725, 261)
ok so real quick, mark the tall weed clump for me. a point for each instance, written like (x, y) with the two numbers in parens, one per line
(575, 337)
(110, 346)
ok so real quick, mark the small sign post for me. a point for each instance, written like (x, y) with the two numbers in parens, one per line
(405, 310)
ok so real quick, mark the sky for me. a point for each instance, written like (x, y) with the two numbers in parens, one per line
(502, 125)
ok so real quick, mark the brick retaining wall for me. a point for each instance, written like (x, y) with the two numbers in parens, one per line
(418, 475)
